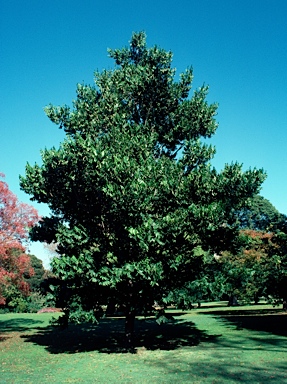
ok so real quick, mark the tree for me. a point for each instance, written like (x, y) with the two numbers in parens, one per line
(36, 280)
(259, 214)
(15, 220)
(137, 208)
(259, 269)
(245, 276)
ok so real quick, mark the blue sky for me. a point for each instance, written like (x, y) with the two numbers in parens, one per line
(237, 47)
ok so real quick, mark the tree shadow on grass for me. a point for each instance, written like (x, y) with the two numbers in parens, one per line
(271, 321)
(236, 311)
(108, 336)
(18, 325)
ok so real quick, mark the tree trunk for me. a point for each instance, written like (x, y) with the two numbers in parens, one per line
(129, 326)
(232, 302)
(111, 308)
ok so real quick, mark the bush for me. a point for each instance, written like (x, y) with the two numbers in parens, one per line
(25, 304)
(35, 302)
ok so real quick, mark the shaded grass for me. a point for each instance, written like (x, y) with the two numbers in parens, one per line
(108, 336)
(213, 344)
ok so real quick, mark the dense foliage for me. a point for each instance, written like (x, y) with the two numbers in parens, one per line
(15, 220)
(259, 269)
(137, 209)
(259, 214)
(35, 281)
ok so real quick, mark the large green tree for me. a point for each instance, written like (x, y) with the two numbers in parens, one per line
(137, 208)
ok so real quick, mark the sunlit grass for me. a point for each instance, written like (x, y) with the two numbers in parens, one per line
(212, 344)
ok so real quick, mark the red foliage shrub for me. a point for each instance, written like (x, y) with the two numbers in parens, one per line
(49, 310)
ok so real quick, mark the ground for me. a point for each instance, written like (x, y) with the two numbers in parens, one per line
(212, 344)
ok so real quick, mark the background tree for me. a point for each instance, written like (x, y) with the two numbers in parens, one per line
(137, 209)
(15, 221)
(275, 269)
(36, 279)
(258, 269)
(259, 214)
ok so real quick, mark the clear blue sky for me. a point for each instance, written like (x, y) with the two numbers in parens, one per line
(237, 47)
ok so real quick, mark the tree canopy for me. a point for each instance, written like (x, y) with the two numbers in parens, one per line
(36, 280)
(15, 220)
(137, 208)
(258, 269)
(259, 214)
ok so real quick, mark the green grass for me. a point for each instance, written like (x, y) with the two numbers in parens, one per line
(212, 344)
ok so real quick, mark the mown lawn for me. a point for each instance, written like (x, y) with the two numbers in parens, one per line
(212, 344)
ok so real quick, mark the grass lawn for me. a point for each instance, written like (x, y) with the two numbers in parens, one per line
(212, 344)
